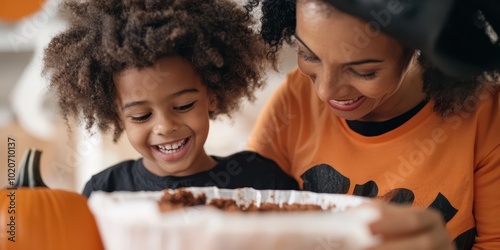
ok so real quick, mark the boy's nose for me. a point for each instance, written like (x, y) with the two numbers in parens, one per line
(159, 129)
(165, 127)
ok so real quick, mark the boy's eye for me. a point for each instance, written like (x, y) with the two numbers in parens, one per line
(184, 108)
(141, 118)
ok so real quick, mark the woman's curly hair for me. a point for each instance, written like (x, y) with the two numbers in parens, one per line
(449, 94)
(104, 37)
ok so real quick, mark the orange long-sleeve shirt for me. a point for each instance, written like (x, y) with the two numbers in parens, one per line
(452, 164)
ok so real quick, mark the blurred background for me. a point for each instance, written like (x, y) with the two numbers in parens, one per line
(28, 113)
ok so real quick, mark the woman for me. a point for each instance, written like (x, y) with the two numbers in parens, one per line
(365, 115)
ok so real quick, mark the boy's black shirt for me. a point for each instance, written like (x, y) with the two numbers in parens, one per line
(243, 169)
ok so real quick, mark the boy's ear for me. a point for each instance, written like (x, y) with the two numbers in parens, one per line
(213, 103)
(117, 108)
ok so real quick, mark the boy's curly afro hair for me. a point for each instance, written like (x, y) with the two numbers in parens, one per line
(104, 37)
(450, 94)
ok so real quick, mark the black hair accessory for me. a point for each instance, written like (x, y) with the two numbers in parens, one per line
(460, 37)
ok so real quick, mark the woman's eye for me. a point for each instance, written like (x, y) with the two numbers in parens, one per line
(365, 76)
(141, 118)
(184, 108)
(307, 57)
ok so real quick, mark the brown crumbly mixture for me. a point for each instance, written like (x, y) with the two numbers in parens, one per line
(182, 198)
(226, 205)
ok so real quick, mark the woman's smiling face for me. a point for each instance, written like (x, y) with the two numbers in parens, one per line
(165, 112)
(358, 72)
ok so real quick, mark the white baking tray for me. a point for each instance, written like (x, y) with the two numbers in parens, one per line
(132, 220)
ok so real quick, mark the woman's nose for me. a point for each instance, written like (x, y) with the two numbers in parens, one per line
(330, 86)
(325, 84)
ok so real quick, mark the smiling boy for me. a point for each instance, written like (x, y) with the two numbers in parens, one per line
(160, 71)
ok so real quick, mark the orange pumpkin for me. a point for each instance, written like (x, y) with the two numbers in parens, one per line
(32, 216)
(14, 10)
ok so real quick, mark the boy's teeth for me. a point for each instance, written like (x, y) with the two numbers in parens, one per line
(172, 147)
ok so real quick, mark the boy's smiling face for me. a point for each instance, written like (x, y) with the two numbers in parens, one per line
(165, 112)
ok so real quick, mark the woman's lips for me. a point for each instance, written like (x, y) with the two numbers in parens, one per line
(347, 105)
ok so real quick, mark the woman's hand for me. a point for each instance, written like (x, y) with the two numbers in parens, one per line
(404, 227)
